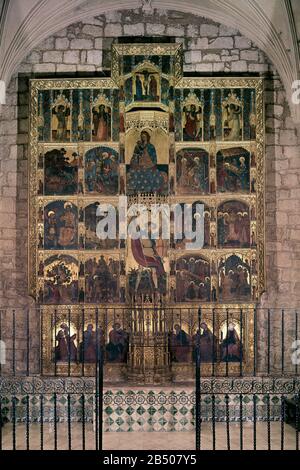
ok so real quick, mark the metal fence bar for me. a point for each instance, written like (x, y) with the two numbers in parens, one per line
(296, 338)
(14, 438)
(27, 342)
(282, 341)
(27, 422)
(41, 342)
(14, 342)
(42, 422)
(282, 413)
(198, 402)
(254, 421)
(269, 340)
(83, 343)
(241, 343)
(255, 341)
(1, 422)
(1, 313)
(241, 423)
(198, 385)
(55, 419)
(98, 345)
(227, 421)
(69, 423)
(213, 345)
(213, 413)
(268, 423)
(69, 342)
(83, 420)
(297, 420)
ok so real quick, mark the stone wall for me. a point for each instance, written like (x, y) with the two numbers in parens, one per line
(84, 48)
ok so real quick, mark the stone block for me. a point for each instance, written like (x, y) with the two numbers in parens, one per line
(155, 29)
(211, 57)
(240, 42)
(273, 123)
(249, 55)
(221, 43)
(52, 56)
(99, 43)
(239, 66)
(43, 68)
(288, 137)
(175, 31)
(94, 57)
(290, 180)
(200, 43)
(113, 17)
(71, 57)
(86, 68)
(92, 30)
(194, 56)
(47, 44)
(259, 68)
(219, 67)
(192, 30)
(33, 58)
(209, 30)
(62, 43)
(227, 31)
(204, 67)
(65, 68)
(9, 127)
(230, 58)
(113, 29)
(81, 43)
(137, 29)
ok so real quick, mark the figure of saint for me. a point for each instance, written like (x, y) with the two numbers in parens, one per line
(88, 345)
(191, 291)
(61, 113)
(66, 349)
(233, 112)
(231, 228)
(138, 88)
(183, 179)
(226, 284)
(102, 123)
(196, 175)
(117, 346)
(153, 88)
(192, 123)
(109, 174)
(205, 344)
(231, 346)
(145, 253)
(180, 345)
(67, 233)
(144, 175)
(51, 230)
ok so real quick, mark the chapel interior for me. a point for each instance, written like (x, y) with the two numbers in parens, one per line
(180, 121)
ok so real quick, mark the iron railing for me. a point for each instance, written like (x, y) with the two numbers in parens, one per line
(238, 365)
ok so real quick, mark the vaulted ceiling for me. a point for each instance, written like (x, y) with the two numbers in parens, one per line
(273, 25)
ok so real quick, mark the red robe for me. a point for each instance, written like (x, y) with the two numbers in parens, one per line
(144, 260)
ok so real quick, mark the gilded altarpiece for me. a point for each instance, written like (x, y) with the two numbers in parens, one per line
(155, 136)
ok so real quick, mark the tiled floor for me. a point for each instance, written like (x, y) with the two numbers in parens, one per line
(150, 440)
